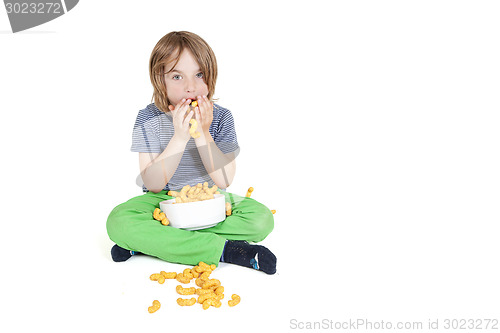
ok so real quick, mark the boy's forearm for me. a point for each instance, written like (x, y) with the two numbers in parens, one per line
(220, 167)
(158, 173)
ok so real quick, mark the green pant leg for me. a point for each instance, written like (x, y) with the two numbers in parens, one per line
(131, 225)
(250, 220)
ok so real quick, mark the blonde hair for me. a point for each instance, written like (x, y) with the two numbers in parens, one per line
(168, 49)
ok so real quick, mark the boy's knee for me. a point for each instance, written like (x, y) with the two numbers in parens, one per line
(264, 223)
(116, 224)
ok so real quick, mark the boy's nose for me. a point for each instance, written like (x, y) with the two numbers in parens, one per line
(190, 86)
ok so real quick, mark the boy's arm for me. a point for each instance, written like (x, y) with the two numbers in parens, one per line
(158, 169)
(220, 167)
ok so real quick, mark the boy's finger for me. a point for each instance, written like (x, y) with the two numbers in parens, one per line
(181, 103)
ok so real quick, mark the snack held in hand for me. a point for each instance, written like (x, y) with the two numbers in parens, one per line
(194, 124)
(192, 129)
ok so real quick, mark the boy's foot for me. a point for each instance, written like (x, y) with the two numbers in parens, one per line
(253, 256)
(120, 254)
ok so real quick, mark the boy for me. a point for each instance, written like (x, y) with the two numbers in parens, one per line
(183, 68)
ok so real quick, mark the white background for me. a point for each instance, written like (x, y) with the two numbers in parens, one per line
(372, 127)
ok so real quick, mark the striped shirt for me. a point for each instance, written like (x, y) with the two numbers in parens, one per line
(153, 130)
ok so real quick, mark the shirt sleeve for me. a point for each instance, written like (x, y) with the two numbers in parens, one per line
(145, 136)
(225, 135)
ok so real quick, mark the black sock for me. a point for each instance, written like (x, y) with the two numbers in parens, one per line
(253, 256)
(120, 254)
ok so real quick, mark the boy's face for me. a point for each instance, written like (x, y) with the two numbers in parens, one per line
(185, 80)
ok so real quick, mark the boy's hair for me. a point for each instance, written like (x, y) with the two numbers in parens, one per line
(169, 48)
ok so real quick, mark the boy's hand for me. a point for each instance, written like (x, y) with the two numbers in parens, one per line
(204, 114)
(181, 120)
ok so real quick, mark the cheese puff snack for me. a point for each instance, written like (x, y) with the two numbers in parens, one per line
(211, 284)
(219, 290)
(199, 282)
(169, 275)
(198, 192)
(202, 291)
(160, 216)
(202, 267)
(192, 130)
(273, 211)
(186, 302)
(249, 192)
(228, 209)
(211, 302)
(154, 277)
(182, 279)
(205, 276)
(194, 123)
(191, 192)
(204, 297)
(156, 305)
(195, 273)
(206, 304)
(234, 301)
(185, 291)
(187, 273)
(183, 193)
(212, 190)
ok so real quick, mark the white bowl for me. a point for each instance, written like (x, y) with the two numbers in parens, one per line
(195, 215)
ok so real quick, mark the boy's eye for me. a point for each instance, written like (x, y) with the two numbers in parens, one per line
(199, 75)
(176, 77)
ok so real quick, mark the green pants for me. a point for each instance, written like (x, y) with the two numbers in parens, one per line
(131, 225)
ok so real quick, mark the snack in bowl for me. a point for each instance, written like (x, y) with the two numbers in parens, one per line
(199, 192)
(195, 207)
